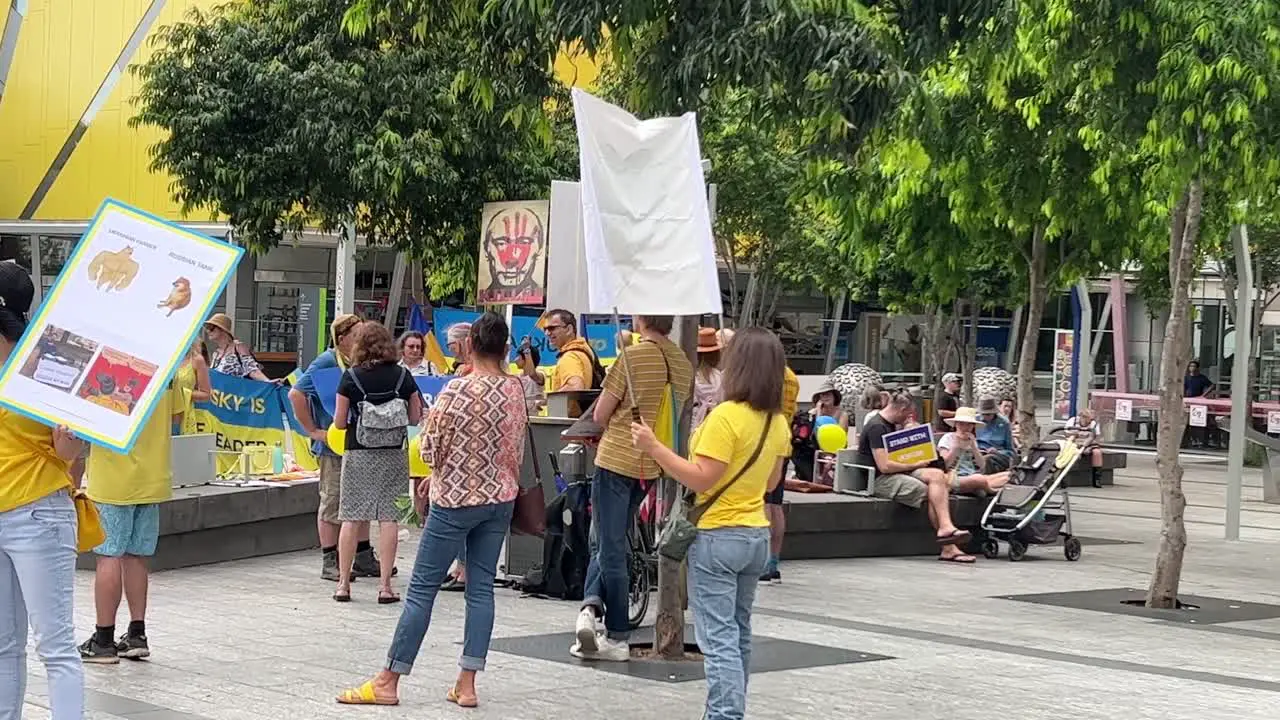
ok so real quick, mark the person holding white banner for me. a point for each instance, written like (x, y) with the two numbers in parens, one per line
(619, 483)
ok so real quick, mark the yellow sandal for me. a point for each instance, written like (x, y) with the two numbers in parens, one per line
(364, 695)
(459, 700)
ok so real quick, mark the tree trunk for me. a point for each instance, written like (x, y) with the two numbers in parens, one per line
(1037, 296)
(937, 331)
(669, 626)
(749, 299)
(1184, 232)
(1015, 339)
(837, 314)
(970, 357)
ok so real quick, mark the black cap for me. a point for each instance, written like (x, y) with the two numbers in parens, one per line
(16, 295)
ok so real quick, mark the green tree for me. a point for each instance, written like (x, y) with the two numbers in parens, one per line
(1182, 90)
(278, 119)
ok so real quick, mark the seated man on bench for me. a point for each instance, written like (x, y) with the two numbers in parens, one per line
(911, 485)
(1083, 431)
(965, 459)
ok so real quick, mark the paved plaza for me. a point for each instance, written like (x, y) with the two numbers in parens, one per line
(261, 638)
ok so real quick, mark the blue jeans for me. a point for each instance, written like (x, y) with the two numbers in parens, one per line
(481, 530)
(37, 585)
(724, 567)
(614, 501)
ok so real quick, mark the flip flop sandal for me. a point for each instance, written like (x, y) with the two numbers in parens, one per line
(342, 597)
(363, 695)
(960, 559)
(388, 598)
(453, 585)
(955, 538)
(459, 700)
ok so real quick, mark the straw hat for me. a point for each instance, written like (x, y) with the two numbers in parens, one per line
(221, 322)
(964, 415)
(709, 340)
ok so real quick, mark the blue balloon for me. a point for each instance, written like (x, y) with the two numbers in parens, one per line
(824, 420)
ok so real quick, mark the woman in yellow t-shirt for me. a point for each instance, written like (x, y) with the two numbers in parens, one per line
(737, 456)
(37, 536)
(192, 385)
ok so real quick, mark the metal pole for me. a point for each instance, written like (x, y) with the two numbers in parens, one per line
(836, 317)
(1239, 380)
(1084, 369)
(344, 296)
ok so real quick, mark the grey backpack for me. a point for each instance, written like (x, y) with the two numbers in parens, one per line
(382, 424)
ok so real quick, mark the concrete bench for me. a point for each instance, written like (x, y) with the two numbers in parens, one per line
(1082, 474)
(212, 524)
(834, 525)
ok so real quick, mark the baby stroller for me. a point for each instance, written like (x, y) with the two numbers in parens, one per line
(1034, 509)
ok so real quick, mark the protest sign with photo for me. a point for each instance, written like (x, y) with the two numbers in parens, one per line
(116, 325)
(513, 253)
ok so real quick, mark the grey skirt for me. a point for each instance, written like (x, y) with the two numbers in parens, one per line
(372, 480)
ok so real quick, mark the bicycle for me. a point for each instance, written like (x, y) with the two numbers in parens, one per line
(642, 561)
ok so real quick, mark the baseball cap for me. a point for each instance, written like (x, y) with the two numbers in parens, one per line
(16, 295)
(952, 377)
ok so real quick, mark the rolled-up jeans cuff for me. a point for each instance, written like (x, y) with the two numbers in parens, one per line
(595, 603)
(399, 667)
(619, 636)
(473, 664)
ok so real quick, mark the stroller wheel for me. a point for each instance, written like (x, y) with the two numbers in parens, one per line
(1017, 550)
(1071, 548)
(990, 548)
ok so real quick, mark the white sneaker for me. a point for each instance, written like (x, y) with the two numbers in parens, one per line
(613, 650)
(581, 654)
(586, 632)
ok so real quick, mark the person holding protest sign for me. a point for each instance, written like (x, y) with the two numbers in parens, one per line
(377, 401)
(37, 537)
(311, 414)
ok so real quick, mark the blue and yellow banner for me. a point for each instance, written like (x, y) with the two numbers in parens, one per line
(248, 412)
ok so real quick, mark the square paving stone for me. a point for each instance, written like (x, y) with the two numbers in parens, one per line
(1209, 610)
(767, 655)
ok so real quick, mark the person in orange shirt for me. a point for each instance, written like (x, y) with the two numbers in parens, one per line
(576, 361)
(773, 498)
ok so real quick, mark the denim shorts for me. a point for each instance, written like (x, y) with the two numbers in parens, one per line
(131, 530)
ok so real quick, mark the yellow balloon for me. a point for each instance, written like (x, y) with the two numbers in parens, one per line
(832, 438)
(336, 439)
(417, 466)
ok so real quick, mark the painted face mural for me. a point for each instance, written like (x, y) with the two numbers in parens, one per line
(514, 240)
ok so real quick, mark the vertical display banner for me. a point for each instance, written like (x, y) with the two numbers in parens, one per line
(1198, 416)
(116, 325)
(513, 253)
(1063, 362)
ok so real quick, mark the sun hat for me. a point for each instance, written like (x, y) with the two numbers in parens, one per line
(708, 340)
(964, 415)
(988, 406)
(221, 322)
(827, 387)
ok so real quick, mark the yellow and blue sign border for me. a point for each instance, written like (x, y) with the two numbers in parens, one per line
(169, 369)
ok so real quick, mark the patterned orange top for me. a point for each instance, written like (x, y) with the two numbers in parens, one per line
(474, 441)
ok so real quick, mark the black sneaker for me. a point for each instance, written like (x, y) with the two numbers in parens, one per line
(94, 653)
(133, 647)
(775, 577)
(366, 565)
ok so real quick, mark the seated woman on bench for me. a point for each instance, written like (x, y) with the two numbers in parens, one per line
(1083, 431)
(964, 458)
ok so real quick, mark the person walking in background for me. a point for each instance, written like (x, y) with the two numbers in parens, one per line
(413, 352)
(377, 401)
(948, 401)
(776, 494)
(311, 414)
(37, 537)
(193, 385)
(737, 457)
(231, 356)
(459, 343)
(474, 442)
(128, 489)
(706, 381)
(616, 491)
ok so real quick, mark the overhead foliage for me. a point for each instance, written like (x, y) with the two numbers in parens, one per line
(278, 119)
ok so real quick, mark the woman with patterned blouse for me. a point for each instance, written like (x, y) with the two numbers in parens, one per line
(474, 442)
(231, 356)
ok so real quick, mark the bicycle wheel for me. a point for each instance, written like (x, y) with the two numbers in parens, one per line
(641, 580)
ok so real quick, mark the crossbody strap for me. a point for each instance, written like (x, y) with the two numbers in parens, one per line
(697, 512)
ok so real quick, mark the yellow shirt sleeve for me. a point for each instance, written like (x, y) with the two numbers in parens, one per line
(779, 441)
(790, 393)
(716, 437)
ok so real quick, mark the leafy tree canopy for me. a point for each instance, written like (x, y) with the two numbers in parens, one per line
(279, 119)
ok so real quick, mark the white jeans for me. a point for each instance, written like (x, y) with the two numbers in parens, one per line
(37, 585)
